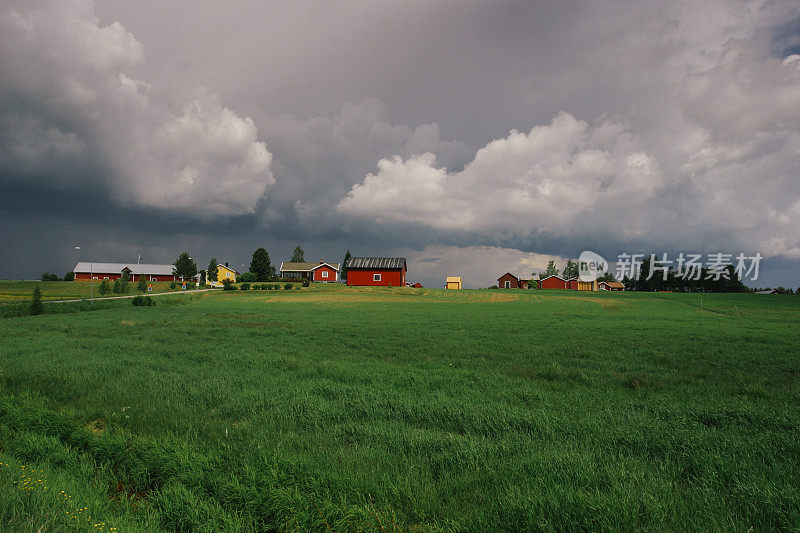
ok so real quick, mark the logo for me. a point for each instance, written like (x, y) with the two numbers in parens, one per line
(591, 266)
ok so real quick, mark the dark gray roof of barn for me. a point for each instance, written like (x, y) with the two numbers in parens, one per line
(376, 262)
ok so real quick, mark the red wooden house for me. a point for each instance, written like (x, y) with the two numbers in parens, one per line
(135, 271)
(552, 282)
(510, 281)
(380, 271)
(610, 286)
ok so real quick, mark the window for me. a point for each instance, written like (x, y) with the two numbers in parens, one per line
(227, 274)
(95, 277)
(105, 277)
(324, 273)
(376, 277)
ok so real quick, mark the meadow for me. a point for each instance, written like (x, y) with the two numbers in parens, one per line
(335, 408)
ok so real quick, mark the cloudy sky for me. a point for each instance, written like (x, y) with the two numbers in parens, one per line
(473, 138)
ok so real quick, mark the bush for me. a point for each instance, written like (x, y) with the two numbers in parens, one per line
(228, 286)
(143, 301)
(69, 276)
(105, 288)
(288, 286)
(36, 301)
(248, 277)
(306, 283)
(244, 287)
(142, 285)
(47, 276)
(173, 286)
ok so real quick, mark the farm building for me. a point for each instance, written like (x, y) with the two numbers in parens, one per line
(453, 282)
(321, 272)
(552, 282)
(111, 271)
(223, 272)
(510, 281)
(575, 284)
(610, 286)
(386, 271)
(417, 285)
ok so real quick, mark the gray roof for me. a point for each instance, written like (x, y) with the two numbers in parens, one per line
(305, 267)
(116, 268)
(376, 262)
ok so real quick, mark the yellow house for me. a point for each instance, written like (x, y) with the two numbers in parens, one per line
(223, 273)
(587, 285)
(453, 282)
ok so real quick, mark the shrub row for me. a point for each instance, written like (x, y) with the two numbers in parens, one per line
(264, 287)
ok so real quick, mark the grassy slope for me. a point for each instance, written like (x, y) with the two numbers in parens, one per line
(363, 409)
(21, 291)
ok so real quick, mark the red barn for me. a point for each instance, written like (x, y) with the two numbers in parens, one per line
(380, 271)
(112, 271)
(510, 281)
(326, 272)
(572, 284)
(553, 282)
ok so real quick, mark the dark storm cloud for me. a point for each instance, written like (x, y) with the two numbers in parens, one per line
(385, 127)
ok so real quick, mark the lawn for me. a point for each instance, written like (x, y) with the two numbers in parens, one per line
(335, 408)
(20, 291)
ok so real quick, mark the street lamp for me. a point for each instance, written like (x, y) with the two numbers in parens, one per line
(91, 275)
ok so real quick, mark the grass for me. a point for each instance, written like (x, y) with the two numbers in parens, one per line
(336, 408)
(12, 292)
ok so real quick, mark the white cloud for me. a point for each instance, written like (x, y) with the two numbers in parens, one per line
(72, 110)
(543, 181)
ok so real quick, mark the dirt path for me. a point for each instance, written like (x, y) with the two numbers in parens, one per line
(129, 296)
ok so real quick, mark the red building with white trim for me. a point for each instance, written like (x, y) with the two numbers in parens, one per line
(553, 282)
(85, 271)
(377, 271)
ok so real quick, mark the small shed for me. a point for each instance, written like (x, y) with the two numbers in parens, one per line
(453, 282)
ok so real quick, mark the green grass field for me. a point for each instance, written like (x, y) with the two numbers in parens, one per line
(334, 408)
(20, 291)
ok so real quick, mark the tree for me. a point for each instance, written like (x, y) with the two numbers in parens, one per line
(104, 287)
(571, 270)
(142, 285)
(69, 276)
(551, 270)
(249, 277)
(211, 272)
(185, 267)
(47, 276)
(298, 255)
(117, 286)
(607, 276)
(261, 266)
(343, 266)
(123, 282)
(36, 301)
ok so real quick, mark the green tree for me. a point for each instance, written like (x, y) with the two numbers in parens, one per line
(261, 266)
(607, 276)
(69, 276)
(571, 270)
(105, 288)
(211, 272)
(117, 289)
(551, 270)
(123, 282)
(298, 255)
(142, 285)
(36, 301)
(47, 276)
(185, 267)
(343, 266)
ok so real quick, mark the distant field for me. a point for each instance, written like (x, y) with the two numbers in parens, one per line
(16, 291)
(335, 408)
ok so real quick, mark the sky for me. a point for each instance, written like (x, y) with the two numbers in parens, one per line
(473, 138)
